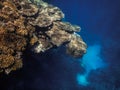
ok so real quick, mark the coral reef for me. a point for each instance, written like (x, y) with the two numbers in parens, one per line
(36, 25)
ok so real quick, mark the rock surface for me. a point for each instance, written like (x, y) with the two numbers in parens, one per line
(34, 24)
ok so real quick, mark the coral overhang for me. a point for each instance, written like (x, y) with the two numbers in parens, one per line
(37, 25)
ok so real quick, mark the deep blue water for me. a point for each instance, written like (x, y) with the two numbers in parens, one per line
(100, 23)
(99, 69)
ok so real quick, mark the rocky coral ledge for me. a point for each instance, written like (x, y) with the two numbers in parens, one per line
(35, 25)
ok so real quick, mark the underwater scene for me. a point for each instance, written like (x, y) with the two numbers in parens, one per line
(59, 44)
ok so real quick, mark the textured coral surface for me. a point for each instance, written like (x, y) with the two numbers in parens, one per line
(34, 25)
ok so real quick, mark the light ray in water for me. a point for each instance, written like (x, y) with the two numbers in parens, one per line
(91, 61)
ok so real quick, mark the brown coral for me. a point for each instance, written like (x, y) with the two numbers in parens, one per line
(24, 24)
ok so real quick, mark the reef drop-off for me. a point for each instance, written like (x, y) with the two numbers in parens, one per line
(35, 25)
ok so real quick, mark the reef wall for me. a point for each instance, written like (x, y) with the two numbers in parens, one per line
(35, 25)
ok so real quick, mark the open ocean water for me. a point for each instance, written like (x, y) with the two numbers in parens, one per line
(98, 69)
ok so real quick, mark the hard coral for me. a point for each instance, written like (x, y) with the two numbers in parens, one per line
(37, 25)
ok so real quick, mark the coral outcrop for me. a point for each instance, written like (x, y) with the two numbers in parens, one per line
(36, 25)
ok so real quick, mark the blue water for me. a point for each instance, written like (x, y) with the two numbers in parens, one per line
(90, 61)
(100, 23)
(99, 69)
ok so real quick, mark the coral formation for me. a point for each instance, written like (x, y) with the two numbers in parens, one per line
(37, 25)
